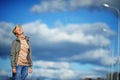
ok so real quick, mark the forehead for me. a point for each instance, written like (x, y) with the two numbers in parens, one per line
(18, 28)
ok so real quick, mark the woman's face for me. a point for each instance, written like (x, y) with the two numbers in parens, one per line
(19, 31)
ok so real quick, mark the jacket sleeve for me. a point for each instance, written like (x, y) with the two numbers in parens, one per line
(30, 59)
(30, 56)
(13, 53)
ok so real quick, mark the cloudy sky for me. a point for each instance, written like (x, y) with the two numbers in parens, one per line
(69, 37)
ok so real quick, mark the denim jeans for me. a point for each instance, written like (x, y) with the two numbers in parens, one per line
(21, 73)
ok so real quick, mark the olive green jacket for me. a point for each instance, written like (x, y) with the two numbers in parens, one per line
(15, 48)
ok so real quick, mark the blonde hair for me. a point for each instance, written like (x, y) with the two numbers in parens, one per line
(14, 30)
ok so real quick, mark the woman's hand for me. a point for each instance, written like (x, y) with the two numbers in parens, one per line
(14, 70)
(30, 70)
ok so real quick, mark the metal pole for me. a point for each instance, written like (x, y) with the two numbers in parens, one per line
(118, 71)
(110, 76)
(112, 70)
(118, 49)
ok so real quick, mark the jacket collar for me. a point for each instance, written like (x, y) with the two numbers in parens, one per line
(26, 38)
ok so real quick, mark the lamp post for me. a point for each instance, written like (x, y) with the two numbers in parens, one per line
(118, 49)
(110, 77)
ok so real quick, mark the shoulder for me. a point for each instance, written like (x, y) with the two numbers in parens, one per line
(15, 41)
(27, 38)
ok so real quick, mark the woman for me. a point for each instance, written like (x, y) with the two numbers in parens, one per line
(21, 60)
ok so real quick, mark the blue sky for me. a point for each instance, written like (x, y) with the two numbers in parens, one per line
(72, 37)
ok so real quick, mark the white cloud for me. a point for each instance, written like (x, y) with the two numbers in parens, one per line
(54, 74)
(65, 70)
(49, 6)
(54, 70)
(6, 32)
(74, 4)
(63, 5)
(3, 73)
(58, 5)
(83, 34)
(101, 69)
(49, 64)
(102, 56)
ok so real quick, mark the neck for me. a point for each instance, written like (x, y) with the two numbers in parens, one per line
(21, 36)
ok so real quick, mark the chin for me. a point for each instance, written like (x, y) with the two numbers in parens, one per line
(22, 33)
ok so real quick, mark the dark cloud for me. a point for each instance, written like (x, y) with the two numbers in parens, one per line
(114, 3)
(53, 52)
(5, 39)
(4, 51)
